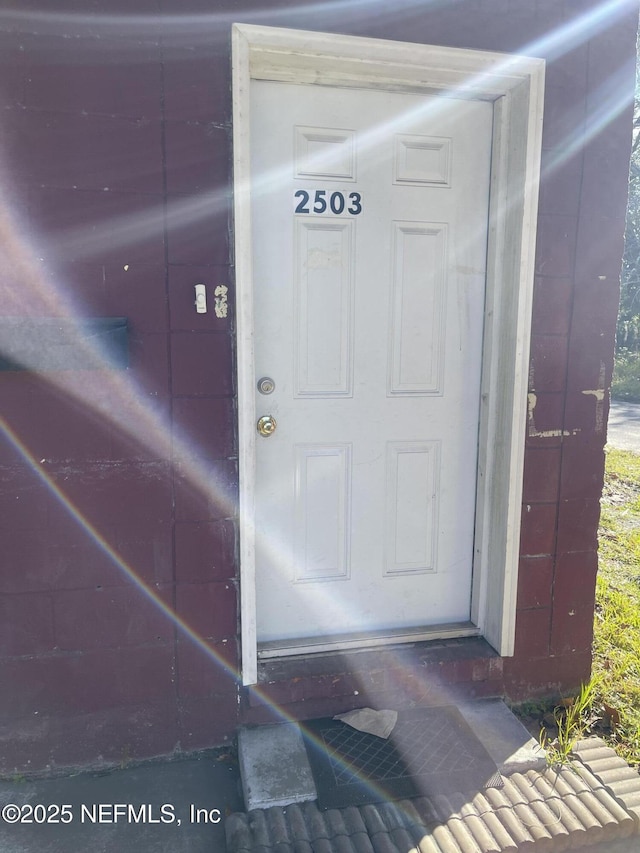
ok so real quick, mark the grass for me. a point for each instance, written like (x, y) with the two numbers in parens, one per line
(626, 376)
(571, 720)
(616, 664)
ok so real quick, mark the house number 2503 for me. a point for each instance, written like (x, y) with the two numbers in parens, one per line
(323, 202)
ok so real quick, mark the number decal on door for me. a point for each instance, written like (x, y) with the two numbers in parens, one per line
(335, 203)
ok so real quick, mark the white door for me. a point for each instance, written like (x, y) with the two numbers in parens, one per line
(369, 221)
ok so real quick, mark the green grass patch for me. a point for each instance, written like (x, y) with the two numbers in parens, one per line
(626, 376)
(617, 620)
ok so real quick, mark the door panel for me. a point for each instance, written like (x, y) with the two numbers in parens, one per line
(323, 308)
(322, 510)
(417, 336)
(370, 227)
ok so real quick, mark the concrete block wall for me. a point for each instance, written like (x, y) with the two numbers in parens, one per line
(586, 143)
(115, 153)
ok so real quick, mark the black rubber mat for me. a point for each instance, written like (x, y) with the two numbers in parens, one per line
(430, 751)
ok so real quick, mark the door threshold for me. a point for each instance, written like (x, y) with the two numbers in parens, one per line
(364, 641)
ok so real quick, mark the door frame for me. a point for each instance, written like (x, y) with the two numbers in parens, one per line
(515, 84)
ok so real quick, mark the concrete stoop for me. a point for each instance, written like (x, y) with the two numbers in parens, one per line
(274, 768)
(594, 801)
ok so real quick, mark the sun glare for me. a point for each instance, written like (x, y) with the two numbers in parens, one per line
(115, 395)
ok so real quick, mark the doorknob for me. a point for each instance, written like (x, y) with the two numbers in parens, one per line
(267, 425)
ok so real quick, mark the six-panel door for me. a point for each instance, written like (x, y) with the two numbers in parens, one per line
(370, 228)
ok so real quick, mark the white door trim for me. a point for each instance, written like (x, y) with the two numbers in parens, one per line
(515, 84)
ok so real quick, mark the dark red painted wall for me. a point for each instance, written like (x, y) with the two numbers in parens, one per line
(115, 151)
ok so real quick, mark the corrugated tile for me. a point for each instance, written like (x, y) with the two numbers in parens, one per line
(590, 821)
(334, 822)
(353, 820)
(623, 819)
(596, 799)
(618, 778)
(506, 841)
(513, 793)
(401, 838)
(464, 805)
(571, 780)
(538, 831)
(597, 751)
(557, 804)
(392, 815)
(342, 844)
(631, 799)
(361, 843)
(410, 815)
(426, 810)
(628, 786)
(259, 828)
(444, 808)
(428, 844)
(562, 838)
(238, 833)
(372, 820)
(497, 798)
(525, 785)
(636, 817)
(611, 773)
(601, 758)
(589, 745)
(445, 842)
(477, 827)
(322, 845)
(415, 827)
(315, 822)
(598, 806)
(297, 825)
(514, 827)
(590, 778)
(629, 802)
(277, 826)
(546, 811)
(460, 831)
(383, 843)
(485, 840)
(560, 784)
